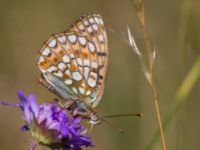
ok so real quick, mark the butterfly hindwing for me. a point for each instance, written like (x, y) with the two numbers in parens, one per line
(74, 62)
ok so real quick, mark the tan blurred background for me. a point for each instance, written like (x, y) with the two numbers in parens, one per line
(174, 27)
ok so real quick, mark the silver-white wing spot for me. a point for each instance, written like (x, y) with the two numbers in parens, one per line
(66, 59)
(80, 62)
(95, 26)
(82, 40)
(67, 72)
(68, 81)
(58, 74)
(76, 76)
(81, 27)
(81, 90)
(86, 72)
(97, 20)
(91, 20)
(88, 92)
(94, 93)
(52, 69)
(91, 47)
(52, 43)
(75, 90)
(101, 21)
(62, 39)
(86, 62)
(86, 22)
(72, 38)
(89, 29)
(46, 52)
(94, 75)
(62, 66)
(91, 82)
(71, 55)
(105, 36)
(41, 59)
(101, 38)
(94, 65)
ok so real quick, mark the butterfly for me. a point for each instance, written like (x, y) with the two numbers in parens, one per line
(73, 65)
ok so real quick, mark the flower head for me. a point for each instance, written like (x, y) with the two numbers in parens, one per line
(51, 125)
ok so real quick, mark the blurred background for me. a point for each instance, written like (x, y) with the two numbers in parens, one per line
(174, 28)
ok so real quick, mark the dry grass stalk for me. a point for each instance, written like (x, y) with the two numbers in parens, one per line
(147, 65)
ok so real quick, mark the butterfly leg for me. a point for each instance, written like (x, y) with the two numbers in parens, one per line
(82, 114)
(90, 128)
(68, 104)
(65, 105)
(87, 116)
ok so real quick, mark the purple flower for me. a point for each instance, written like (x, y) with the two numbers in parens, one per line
(51, 125)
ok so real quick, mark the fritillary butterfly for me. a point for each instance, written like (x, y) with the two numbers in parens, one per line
(73, 65)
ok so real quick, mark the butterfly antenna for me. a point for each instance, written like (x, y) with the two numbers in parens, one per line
(113, 126)
(123, 115)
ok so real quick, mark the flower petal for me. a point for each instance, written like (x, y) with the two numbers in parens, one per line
(21, 97)
(25, 128)
(33, 105)
(9, 104)
(51, 125)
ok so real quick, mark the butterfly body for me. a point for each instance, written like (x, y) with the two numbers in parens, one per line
(73, 65)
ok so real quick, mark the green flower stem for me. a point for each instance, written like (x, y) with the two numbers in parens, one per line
(179, 99)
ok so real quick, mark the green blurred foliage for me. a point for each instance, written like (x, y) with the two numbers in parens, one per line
(24, 25)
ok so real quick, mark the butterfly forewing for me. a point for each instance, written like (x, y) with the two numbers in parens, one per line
(74, 62)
